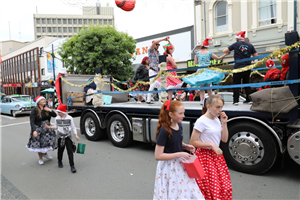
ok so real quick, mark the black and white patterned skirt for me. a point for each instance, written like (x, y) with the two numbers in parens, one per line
(44, 141)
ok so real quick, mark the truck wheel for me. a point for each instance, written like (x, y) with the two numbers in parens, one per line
(118, 131)
(250, 148)
(91, 128)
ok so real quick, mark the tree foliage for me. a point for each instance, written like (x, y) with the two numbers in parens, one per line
(99, 46)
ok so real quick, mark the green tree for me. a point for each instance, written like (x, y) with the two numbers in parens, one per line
(99, 46)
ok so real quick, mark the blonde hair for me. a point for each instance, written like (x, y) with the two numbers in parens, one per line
(210, 101)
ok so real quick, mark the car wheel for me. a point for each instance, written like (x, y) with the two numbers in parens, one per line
(250, 148)
(91, 128)
(13, 113)
(118, 131)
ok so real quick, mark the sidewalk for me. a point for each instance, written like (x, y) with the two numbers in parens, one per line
(9, 191)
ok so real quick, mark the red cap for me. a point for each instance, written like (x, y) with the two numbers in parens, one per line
(206, 43)
(62, 108)
(270, 64)
(179, 92)
(241, 35)
(38, 98)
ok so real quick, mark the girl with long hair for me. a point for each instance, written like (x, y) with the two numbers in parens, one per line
(172, 180)
(208, 131)
(41, 139)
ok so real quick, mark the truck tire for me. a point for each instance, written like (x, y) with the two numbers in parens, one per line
(118, 131)
(250, 148)
(90, 127)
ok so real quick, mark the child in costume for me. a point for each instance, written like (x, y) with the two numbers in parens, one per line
(271, 75)
(64, 124)
(285, 67)
(206, 136)
(208, 76)
(172, 83)
(172, 180)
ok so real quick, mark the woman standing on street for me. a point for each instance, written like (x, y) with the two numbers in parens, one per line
(41, 139)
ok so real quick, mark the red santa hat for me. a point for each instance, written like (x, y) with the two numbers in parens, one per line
(179, 93)
(38, 98)
(62, 108)
(206, 43)
(285, 60)
(270, 64)
(240, 35)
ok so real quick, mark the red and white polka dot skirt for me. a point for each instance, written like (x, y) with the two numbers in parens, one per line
(216, 183)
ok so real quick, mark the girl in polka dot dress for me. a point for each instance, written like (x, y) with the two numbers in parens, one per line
(207, 133)
(172, 180)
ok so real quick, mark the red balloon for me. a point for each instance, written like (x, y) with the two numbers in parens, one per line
(127, 5)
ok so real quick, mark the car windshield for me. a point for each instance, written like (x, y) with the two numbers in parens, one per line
(22, 98)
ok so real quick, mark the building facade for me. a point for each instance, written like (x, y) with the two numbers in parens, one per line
(264, 21)
(67, 25)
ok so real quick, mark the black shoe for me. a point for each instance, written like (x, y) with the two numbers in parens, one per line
(60, 165)
(247, 102)
(150, 102)
(73, 170)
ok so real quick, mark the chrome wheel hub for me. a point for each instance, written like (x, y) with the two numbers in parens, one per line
(246, 148)
(89, 125)
(117, 131)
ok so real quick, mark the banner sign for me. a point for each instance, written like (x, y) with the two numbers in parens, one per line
(191, 63)
(12, 85)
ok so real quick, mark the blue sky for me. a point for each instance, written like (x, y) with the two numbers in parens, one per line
(149, 16)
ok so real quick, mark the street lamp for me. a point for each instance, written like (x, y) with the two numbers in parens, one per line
(53, 56)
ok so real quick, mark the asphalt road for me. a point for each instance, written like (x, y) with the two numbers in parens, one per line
(108, 172)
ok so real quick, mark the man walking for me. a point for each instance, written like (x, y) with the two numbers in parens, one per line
(242, 50)
(153, 55)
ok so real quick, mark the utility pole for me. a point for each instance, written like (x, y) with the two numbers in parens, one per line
(295, 15)
(53, 63)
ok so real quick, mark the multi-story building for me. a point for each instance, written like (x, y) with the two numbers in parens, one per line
(265, 23)
(67, 25)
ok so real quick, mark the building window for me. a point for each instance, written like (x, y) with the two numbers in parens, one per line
(49, 30)
(90, 21)
(70, 29)
(59, 29)
(44, 29)
(267, 12)
(54, 29)
(79, 21)
(53, 21)
(38, 36)
(59, 21)
(38, 21)
(85, 21)
(75, 30)
(65, 30)
(95, 21)
(64, 21)
(48, 21)
(100, 21)
(110, 21)
(105, 21)
(43, 21)
(69, 21)
(74, 21)
(38, 29)
(221, 16)
(43, 71)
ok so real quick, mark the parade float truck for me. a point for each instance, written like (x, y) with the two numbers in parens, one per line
(256, 139)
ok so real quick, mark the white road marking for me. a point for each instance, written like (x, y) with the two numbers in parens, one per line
(8, 117)
(15, 124)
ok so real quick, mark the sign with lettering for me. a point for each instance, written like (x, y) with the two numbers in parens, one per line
(12, 85)
(191, 63)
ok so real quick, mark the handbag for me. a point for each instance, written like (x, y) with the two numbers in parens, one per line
(193, 167)
(81, 148)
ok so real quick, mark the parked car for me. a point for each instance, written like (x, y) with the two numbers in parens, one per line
(16, 104)
(228, 96)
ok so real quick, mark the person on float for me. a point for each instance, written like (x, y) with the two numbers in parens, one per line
(41, 139)
(207, 134)
(285, 63)
(153, 55)
(172, 83)
(171, 179)
(272, 74)
(64, 124)
(208, 76)
(141, 73)
(242, 50)
(178, 96)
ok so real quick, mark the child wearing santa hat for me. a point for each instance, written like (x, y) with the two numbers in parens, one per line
(64, 124)
(242, 50)
(208, 76)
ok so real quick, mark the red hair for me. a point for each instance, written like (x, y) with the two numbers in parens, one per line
(165, 119)
(144, 60)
